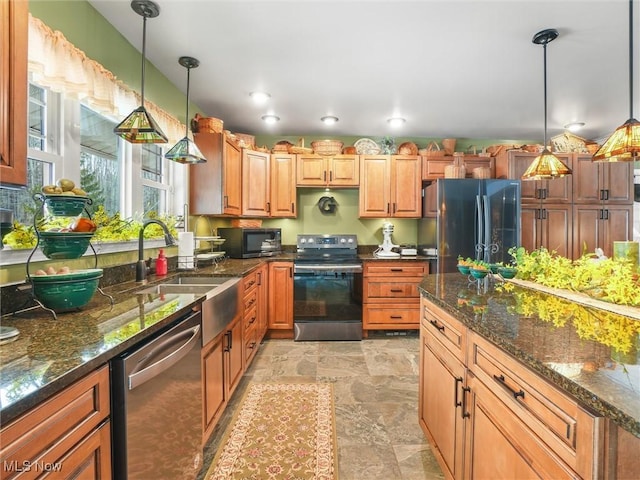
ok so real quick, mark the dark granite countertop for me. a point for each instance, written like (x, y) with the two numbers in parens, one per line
(590, 353)
(50, 354)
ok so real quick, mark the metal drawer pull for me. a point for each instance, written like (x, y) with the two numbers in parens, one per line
(455, 388)
(463, 411)
(435, 324)
(396, 290)
(500, 379)
(396, 316)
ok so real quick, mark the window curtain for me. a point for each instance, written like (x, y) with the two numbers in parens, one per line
(56, 63)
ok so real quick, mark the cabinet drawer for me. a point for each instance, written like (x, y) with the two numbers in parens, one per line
(395, 269)
(49, 431)
(250, 281)
(250, 317)
(570, 430)
(250, 345)
(444, 329)
(250, 299)
(391, 316)
(383, 289)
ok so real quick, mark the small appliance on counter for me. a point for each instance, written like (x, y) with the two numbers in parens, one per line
(251, 242)
(386, 249)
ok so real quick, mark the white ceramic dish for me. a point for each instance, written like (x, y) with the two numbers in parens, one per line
(366, 146)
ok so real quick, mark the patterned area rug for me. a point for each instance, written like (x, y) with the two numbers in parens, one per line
(281, 431)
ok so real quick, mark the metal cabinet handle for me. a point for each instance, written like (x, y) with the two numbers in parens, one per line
(396, 317)
(456, 402)
(500, 379)
(396, 290)
(435, 324)
(463, 411)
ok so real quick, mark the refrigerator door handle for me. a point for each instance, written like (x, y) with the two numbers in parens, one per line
(479, 239)
(486, 233)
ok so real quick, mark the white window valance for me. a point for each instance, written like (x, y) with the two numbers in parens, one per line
(56, 63)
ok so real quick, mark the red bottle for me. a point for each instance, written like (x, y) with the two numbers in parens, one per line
(161, 263)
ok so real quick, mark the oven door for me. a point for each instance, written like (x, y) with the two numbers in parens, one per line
(327, 303)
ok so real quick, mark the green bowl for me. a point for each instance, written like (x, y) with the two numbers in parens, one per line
(463, 269)
(478, 273)
(66, 291)
(507, 272)
(64, 245)
(494, 267)
(66, 205)
(5, 228)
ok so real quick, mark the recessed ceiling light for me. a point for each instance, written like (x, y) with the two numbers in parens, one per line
(574, 126)
(270, 119)
(329, 120)
(396, 121)
(259, 97)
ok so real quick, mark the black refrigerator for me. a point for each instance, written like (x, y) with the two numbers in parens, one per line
(476, 218)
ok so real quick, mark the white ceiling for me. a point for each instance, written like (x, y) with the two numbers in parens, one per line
(452, 68)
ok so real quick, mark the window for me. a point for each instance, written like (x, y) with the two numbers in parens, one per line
(154, 190)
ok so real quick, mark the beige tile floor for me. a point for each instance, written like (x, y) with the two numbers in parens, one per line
(376, 400)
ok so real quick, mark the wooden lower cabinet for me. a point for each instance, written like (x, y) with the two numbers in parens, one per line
(390, 297)
(222, 369)
(598, 226)
(548, 226)
(488, 416)
(281, 296)
(67, 436)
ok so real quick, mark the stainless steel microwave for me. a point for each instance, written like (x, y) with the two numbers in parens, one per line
(251, 242)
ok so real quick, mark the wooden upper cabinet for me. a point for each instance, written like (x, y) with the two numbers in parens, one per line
(255, 183)
(595, 182)
(283, 185)
(406, 186)
(14, 18)
(318, 171)
(375, 188)
(433, 167)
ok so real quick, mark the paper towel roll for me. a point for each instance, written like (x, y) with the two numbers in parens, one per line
(185, 249)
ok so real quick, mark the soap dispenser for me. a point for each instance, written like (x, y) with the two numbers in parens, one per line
(161, 263)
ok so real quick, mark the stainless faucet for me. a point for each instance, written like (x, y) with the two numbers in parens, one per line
(141, 266)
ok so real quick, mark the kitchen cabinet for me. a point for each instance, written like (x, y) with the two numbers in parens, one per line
(476, 400)
(599, 225)
(283, 187)
(216, 186)
(281, 296)
(68, 434)
(262, 277)
(548, 225)
(251, 296)
(14, 18)
(433, 167)
(327, 171)
(222, 369)
(595, 182)
(390, 297)
(256, 182)
(390, 186)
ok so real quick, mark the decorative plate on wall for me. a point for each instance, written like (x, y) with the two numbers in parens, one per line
(366, 146)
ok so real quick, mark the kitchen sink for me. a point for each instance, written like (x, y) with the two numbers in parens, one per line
(167, 288)
(190, 280)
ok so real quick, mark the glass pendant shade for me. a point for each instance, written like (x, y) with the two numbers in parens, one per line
(624, 144)
(139, 126)
(186, 151)
(546, 166)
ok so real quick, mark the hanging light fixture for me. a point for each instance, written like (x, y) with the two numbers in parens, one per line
(139, 126)
(624, 144)
(546, 165)
(186, 151)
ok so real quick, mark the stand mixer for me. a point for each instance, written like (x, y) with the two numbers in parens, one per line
(385, 249)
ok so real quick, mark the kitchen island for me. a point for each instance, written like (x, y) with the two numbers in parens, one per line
(571, 372)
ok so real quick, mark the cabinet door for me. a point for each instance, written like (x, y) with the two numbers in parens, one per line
(500, 446)
(206, 180)
(374, 198)
(281, 295)
(344, 170)
(255, 183)
(476, 161)
(283, 187)
(558, 190)
(433, 167)
(549, 227)
(14, 18)
(232, 178)
(430, 200)
(214, 389)
(598, 226)
(440, 403)
(617, 180)
(235, 354)
(311, 170)
(406, 186)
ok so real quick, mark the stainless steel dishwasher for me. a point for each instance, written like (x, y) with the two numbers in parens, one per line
(157, 406)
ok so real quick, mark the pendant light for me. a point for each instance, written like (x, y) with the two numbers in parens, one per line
(546, 165)
(624, 144)
(139, 126)
(186, 151)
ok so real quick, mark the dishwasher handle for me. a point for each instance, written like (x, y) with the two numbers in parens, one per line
(156, 368)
